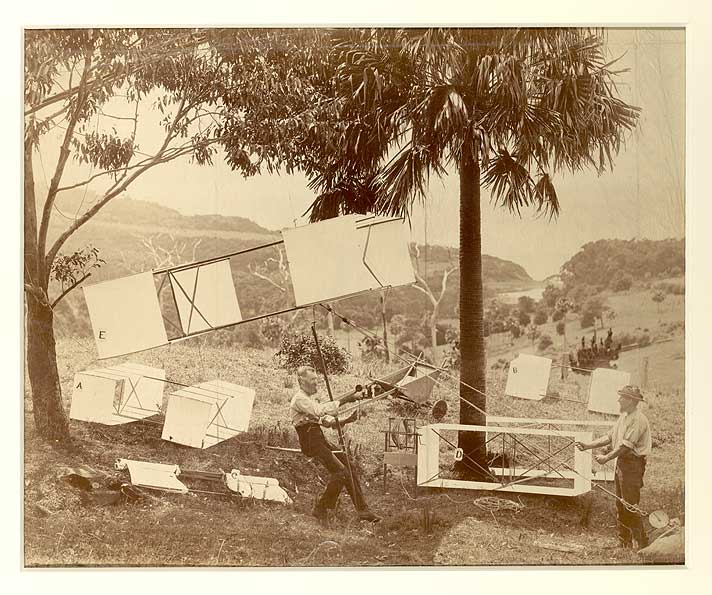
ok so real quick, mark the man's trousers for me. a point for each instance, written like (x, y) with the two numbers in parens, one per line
(628, 481)
(314, 444)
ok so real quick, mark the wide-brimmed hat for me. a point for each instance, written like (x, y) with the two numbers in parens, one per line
(632, 392)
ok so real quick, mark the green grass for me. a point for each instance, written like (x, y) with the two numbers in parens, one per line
(212, 529)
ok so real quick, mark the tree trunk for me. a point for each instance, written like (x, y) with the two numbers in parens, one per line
(434, 330)
(50, 418)
(472, 345)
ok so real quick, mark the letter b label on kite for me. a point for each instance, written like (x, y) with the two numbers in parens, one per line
(528, 377)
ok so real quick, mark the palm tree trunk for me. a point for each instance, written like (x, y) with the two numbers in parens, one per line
(50, 417)
(472, 345)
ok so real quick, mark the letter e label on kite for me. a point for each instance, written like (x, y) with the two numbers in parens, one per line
(125, 315)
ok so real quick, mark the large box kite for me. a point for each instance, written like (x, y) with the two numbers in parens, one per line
(117, 395)
(205, 414)
(603, 394)
(205, 296)
(125, 315)
(528, 377)
(344, 256)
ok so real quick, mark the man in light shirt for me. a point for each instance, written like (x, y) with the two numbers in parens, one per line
(308, 415)
(630, 443)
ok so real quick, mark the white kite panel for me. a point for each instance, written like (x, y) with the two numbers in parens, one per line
(386, 251)
(326, 260)
(187, 419)
(143, 389)
(605, 384)
(208, 413)
(528, 377)
(205, 296)
(95, 398)
(153, 475)
(125, 315)
(235, 403)
(117, 395)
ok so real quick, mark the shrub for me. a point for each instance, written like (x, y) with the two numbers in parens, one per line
(411, 335)
(371, 349)
(557, 315)
(540, 317)
(526, 304)
(588, 319)
(560, 327)
(272, 329)
(669, 287)
(621, 282)
(523, 318)
(625, 338)
(516, 332)
(545, 341)
(298, 349)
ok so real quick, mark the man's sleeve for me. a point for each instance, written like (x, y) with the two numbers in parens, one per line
(326, 408)
(311, 407)
(633, 433)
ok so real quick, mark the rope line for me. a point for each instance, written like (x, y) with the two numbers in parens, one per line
(630, 507)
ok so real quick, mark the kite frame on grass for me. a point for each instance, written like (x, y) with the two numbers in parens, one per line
(215, 400)
(580, 473)
(139, 390)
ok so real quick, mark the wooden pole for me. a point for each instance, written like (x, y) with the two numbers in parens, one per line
(342, 443)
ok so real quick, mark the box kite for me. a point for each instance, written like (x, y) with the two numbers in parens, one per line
(328, 260)
(205, 414)
(117, 395)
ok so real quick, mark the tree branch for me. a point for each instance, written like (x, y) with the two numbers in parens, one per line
(62, 161)
(70, 288)
(266, 278)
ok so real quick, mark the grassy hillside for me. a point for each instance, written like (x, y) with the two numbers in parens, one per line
(216, 530)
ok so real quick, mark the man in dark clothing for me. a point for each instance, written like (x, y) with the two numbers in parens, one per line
(308, 415)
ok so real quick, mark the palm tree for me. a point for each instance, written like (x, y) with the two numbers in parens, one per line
(500, 108)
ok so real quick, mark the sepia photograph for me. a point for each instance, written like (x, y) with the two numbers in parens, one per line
(354, 296)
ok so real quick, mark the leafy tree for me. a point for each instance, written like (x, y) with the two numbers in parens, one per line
(545, 341)
(526, 304)
(533, 333)
(523, 318)
(551, 294)
(540, 317)
(371, 119)
(74, 81)
(298, 349)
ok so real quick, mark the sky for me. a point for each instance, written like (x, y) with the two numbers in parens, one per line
(643, 197)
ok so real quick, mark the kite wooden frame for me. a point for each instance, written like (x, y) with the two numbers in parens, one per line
(598, 472)
(429, 462)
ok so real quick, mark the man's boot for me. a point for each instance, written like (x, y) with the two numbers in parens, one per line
(367, 515)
